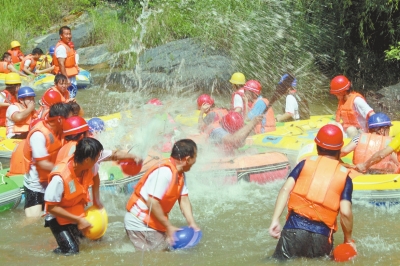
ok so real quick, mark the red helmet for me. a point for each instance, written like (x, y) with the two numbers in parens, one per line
(339, 84)
(330, 137)
(232, 122)
(154, 101)
(253, 86)
(74, 125)
(51, 97)
(204, 98)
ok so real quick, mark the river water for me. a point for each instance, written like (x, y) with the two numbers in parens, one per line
(234, 217)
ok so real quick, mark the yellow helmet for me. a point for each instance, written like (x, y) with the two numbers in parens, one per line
(15, 44)
(12, 78)
(238, 78)
(99, 220)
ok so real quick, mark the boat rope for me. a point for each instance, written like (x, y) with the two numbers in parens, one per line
(2, 180)
(376, 183)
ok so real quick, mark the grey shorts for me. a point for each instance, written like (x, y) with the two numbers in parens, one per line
(148, 240)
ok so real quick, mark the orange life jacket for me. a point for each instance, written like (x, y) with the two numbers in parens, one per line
(15, 54)
(268, 122)
(76, 194)
(70, 64)
(367, 145)
(172, 194)
(347, 113)
(4, 67)
(316, 194)
(240, 92)
(43, 111)
(3, 110)
(31, 66)
(53, 145)
(64, 96)
(17, 162)
(66, 150)
(23, 125)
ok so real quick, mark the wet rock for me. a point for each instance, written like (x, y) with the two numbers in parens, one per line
(94, 55)
(183, 64)
(80, 36)
(386, 100)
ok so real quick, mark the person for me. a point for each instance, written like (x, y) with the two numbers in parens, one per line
(40, 151)
(20, 114)
(260, 106)
(296, 107)
(238, 102)
(316, 191)
(68, 193)
(353, 110)
(16, 53)
(6, 65)
(46, 62)
(9, 95)
(64, 60)
(230, 133)
(49, 98)
(205, 103)
(60, 86)
(28, 63)
(146, 220)
(366, 144)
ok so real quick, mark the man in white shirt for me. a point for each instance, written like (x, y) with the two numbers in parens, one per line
(146, 220)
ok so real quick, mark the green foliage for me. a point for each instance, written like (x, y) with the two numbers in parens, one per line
(393, 53)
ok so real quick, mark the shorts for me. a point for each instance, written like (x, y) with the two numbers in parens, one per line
(295, 243)
(148, 240)
(33, 198)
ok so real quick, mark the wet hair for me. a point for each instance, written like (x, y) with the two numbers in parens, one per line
(87, 148)
(60, 109)
(59, 77)
(37, 51)
(183, 148)
(61, 31)
(5, 55)
(334, 153)
(76, 108)
(75, 137)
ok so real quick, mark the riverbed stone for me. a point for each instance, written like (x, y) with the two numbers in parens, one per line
(94, 55)
(183, 64)
(386, 100)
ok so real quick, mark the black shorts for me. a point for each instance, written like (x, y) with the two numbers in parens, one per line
(301, 243)
(33, 198)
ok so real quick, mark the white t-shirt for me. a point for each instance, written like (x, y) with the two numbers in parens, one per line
(27, 63)
(38, 146)
(156, 185)
(237, 101)
(9, 122)
(292, 106)
(362, 109)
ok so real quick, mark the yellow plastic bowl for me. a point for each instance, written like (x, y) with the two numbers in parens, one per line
(99, 220)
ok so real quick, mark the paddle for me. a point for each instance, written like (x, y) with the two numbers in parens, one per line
(281, 89)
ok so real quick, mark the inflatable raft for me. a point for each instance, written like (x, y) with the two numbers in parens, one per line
(10, 193)
(259, 168)
(45, 81)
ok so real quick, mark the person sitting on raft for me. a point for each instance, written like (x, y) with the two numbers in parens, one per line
(60, 86)
(260, 106)
(46, 65)
(6, 65)
(15, 52)
(20, 114)
(213, 114)
(40, 152)
(146, 220)
(239, 102)
(366, 144)
(353, 110)
(316, 191)
(230, 133)
(66, 195)
(28, 64)
(296, 107)
(9, 95)
(49, 98)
